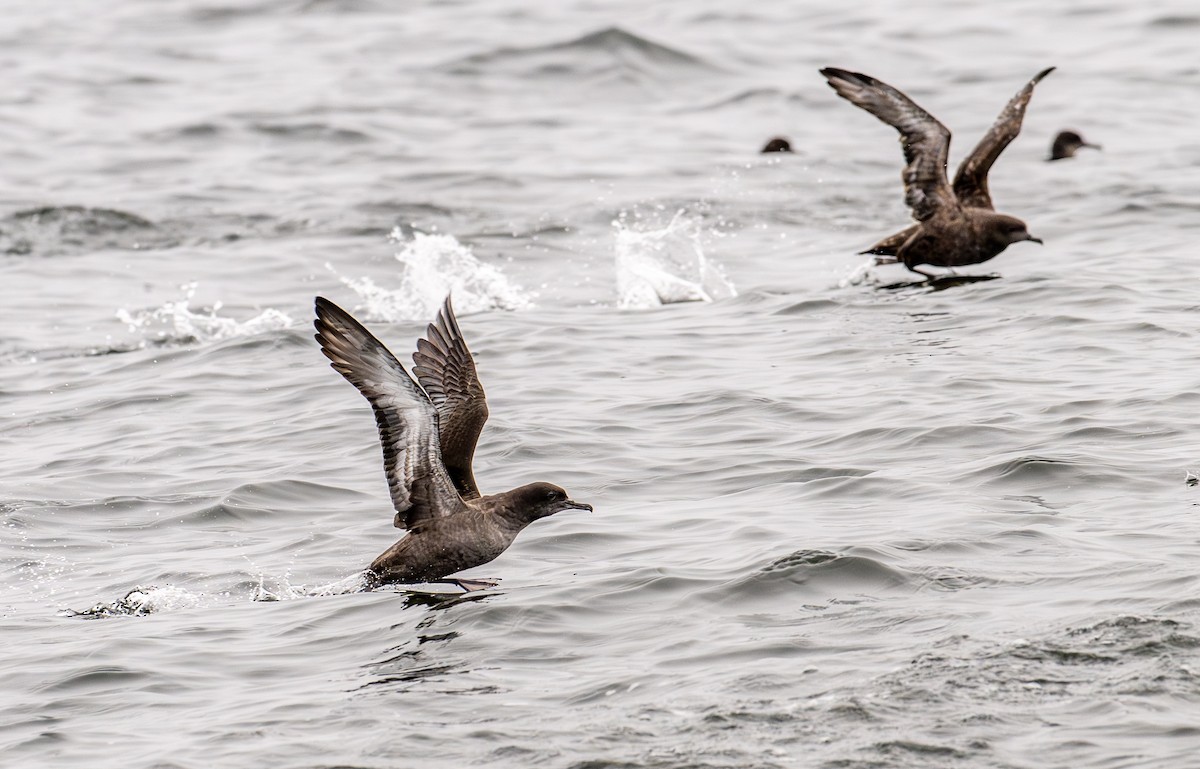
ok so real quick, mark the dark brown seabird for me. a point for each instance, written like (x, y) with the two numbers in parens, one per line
(1067, 143)
(429, 432)
(956, 224)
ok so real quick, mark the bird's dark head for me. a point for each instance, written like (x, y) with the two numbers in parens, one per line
(778, 144)
(539, 500)
(1067, 143)
(1006, 230)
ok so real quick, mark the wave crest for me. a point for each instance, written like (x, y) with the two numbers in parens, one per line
(601, 52)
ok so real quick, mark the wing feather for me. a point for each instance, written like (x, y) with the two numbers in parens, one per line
(970, 183)
(444, 367)
(408, 424)
(926, 142)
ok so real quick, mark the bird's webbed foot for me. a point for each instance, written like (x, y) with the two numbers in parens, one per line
(469, 585)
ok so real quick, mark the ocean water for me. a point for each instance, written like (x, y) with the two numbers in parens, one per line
(841, 519)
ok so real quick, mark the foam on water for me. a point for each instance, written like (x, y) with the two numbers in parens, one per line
(665, 265)
(176, 322)
(143, 600)
(435, 265)
(862, 274)
(282, 589)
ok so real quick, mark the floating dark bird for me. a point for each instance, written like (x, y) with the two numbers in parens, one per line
(778, 144)
(429, 431)
(1067, 143)
(956, 224)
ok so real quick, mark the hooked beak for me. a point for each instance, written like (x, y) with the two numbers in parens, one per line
(571, 504)
(1093, 146)
(1035, 240)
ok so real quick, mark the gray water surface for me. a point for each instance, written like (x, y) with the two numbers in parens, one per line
(841, 520)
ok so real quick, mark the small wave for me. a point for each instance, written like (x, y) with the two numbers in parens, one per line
(1178, 21)
(232, 12)
(595, 53)
(1129, 652)
(819, 576)
(177, 323)
(316, 132)
(1033, 472)
(435, 265)
(196, 131)
(666, 265)
(747, 96)
(51, 230)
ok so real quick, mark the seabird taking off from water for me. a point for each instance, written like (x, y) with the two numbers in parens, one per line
(956, 224)
(1067, 143)
(429, 431)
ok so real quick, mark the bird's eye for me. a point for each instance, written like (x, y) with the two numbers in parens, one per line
(553, 495)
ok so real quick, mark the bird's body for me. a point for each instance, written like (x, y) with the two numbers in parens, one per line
(971, 236)
(428, 432)
(443, 547)
(440, 547)
(957, 224)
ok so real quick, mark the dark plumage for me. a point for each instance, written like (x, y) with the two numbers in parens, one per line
(1067, 143)
(956, 224)
(778, 144)
(429, 432)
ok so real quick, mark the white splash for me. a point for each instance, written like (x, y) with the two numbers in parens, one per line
(861, 274)
(141, 601)
(666, 265)
(435, 265)
(177, 322)
(282, 589)
(153, 599)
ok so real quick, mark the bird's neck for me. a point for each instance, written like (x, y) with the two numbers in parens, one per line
(505, 513)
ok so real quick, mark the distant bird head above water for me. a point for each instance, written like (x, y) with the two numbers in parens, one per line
(1067, 143)
(778, 144)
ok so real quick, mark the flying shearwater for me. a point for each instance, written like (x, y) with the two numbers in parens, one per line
(429, 431)
(1067, 143)
(956, 224)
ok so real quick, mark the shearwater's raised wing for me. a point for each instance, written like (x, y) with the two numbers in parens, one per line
(926, 141)
(444, 367)
(420, 487)
(970, 183)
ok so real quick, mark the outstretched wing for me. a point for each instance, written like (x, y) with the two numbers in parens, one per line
(444, 367)
(970, 183)
(926, 141)
(420, 487)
